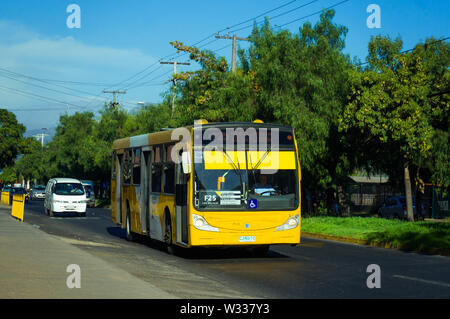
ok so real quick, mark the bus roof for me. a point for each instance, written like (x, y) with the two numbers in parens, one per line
(144, 140)
(165, 136)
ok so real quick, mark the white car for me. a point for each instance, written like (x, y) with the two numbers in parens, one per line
(65, 195)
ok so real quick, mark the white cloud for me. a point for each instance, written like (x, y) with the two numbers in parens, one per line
(63, 58)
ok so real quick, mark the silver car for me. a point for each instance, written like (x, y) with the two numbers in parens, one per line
(38, 192)
(395, 207)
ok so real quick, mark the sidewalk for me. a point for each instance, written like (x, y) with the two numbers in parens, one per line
(33, 265)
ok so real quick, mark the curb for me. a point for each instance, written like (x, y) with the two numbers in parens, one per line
(337, 238)
(430, 251)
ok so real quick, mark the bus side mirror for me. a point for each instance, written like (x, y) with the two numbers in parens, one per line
(186, 162)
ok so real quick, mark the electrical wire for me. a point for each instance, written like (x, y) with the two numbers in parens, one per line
(172, 56)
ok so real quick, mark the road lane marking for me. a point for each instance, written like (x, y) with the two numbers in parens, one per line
(438, 283)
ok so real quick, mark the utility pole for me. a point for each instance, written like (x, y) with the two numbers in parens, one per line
(233, 56)
(41, 136)
(175, 63)
(114, 92)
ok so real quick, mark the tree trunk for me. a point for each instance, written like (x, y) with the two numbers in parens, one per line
(408, 193)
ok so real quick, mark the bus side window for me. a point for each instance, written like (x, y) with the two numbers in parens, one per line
(156, 170)
(137, 166)
(169, 172)
(127, 166)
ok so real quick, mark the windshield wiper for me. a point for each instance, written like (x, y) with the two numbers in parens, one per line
(236, 169)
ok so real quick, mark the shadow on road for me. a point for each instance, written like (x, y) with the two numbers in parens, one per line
(198, 252)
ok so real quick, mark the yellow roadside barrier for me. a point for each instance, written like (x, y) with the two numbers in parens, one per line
(5, 198)
(18, 205)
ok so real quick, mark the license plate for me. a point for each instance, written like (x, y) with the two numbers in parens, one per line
(247, 239)
(70, 207)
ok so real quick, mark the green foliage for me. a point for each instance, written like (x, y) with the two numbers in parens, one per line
(8, 175)
(422, 236)
(303, 81)
(212, 93)
(344, 116)
(300, 80)
(11, 140)
(391, 110)
(82, 145)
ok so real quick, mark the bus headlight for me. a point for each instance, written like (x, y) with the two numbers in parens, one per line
(292, 222)
(201, 224)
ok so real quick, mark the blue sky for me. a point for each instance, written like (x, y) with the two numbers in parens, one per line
(118, 39)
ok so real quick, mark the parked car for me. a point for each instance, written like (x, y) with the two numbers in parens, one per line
(6, 189)
(395, 207)
(18, 190)
(38, 192)
(89, 189)
(65, 195)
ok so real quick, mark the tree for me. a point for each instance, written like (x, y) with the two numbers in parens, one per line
(32, 165)
(73, 147)
(11, 138)
(213, 92)
(149, 118)
(389, 107)
(302, 81)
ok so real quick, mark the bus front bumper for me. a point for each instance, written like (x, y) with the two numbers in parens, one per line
(248, 238)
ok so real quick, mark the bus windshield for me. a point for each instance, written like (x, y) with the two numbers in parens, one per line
(245, 180)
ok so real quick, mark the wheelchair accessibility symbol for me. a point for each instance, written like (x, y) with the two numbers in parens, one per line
(253, 203)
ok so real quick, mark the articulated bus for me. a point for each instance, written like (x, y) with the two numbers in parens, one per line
(209, 185)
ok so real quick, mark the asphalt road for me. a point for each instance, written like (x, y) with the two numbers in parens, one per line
(315, 269)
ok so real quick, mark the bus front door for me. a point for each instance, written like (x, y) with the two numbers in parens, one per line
(181, 205)
(118, 189)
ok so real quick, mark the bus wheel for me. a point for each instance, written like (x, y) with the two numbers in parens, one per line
(130, 235)
(168, 237)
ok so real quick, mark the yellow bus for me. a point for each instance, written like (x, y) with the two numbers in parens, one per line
(211, 184)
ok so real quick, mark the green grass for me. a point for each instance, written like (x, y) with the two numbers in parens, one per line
(424, 236)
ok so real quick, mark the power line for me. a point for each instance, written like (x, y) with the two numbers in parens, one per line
(41, 86)
(317, 12)
(172, 56)
(260, 15)
(34, 110)
(11, 73)
(91, 99)
(141, 78)
(150, 81)
(41, 97)
(277, 16)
